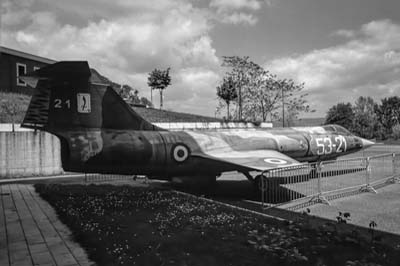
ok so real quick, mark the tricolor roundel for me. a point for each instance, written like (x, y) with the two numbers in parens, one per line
(180, 152)
(276, 161)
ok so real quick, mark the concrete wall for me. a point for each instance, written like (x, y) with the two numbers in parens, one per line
(210, 125)
(28, 153)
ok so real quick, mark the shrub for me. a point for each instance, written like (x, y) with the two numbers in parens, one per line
(396, 131)
(13, 107)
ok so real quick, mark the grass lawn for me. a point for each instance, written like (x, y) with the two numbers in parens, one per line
(391, 141)
(124, 225)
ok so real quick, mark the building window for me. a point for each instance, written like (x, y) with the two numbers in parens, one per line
(21, 70)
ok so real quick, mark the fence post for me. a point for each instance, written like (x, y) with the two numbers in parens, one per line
(262, 189)
(394, 178)
(393, 165)
(368, 187)
(318, 173)
(319, 198)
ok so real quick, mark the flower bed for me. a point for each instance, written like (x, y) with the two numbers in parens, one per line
(123, 225)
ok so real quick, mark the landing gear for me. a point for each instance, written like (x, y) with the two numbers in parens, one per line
(261, 183)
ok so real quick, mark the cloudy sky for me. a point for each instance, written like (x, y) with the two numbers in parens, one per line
(341, 49)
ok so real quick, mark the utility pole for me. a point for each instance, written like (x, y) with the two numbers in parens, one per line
(283, 108)
(240, 97)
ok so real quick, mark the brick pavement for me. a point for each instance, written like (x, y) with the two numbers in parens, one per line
(30, 232)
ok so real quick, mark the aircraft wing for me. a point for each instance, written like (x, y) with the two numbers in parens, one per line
(257, 160)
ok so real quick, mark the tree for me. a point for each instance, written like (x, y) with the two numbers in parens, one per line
(388, 113)
(262, 94)
(365, 122)
(227, 92)
(159, 80)
(146, 102)
(125, 91)
(134, 97)
(292, 101)
(341, 114)
(13, 107)
(240, 74)
(131, 96)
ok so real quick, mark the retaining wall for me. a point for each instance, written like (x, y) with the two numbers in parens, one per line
(29, 153)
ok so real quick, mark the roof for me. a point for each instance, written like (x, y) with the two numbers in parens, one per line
(5, 50)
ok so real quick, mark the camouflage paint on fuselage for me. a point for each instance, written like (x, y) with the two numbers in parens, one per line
(151, 152)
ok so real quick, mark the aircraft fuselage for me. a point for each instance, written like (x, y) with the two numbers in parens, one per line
(164, 154)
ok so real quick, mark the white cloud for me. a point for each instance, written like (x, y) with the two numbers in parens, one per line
(240, 18)
(367, 65)
(193, 92)
(344, 33)
(124, 40)
(26, 38)
(236, 11)
(236, 4)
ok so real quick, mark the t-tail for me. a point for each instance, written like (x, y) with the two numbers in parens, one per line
(68, 96)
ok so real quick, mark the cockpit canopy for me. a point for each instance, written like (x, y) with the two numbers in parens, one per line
(336, 129)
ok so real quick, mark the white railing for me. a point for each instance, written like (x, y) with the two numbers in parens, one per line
(323, 181)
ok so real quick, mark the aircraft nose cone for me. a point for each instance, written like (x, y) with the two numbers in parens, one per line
(367, 143)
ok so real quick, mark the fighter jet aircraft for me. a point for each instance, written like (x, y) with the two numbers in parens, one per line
(100, 133)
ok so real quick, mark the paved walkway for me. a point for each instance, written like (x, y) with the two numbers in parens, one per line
(30, 232)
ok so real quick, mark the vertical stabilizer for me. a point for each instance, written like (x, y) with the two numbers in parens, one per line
(67, 95)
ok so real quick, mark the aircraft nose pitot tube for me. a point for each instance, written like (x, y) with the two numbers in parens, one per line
(366, 143)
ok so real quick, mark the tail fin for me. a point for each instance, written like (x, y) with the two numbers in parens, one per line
(67, 95)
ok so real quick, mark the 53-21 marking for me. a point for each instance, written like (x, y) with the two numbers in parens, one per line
(327, 145)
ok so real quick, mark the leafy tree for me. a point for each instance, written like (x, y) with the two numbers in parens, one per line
(365, 123)
(388, 113)
(262, 94)
(124, 91)
(159, 80)
(145, 101)
(227, 92)
(396, 131)
(13, 107)
(341, 114)
(292, 101)
(131, 96)
(134, 97)
(241, 68)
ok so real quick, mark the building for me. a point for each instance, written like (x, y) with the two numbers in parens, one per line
(14, 63)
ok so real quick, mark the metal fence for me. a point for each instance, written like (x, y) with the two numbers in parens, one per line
(300, 186)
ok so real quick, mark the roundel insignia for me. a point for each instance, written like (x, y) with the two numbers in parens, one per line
(276, 161)
(180, 153)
